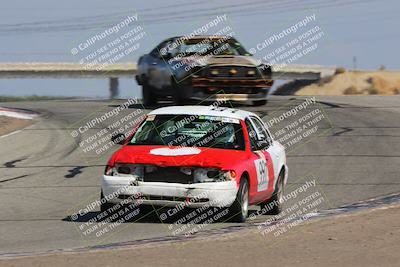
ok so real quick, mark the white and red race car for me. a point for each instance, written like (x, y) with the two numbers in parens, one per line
(199, 156)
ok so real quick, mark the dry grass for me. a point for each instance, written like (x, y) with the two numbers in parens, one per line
(340, 70)
(358, 82)
(352, 90)
(8, 125)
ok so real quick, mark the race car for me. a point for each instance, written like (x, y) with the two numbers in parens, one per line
(198, 156)
(203, 67)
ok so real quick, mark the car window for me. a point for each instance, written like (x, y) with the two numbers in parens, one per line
(252, 135)
(207, 46)
(263, 138)
(156, 51)
(260, 127)
(190, 131)
(201, 48)
(262, 134)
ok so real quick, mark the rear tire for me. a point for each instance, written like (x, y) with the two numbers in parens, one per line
(149, 97)
(276, 200)
(239, 210)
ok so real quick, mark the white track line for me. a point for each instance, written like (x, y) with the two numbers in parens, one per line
(17, 131)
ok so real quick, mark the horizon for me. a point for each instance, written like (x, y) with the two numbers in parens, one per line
(45, 31)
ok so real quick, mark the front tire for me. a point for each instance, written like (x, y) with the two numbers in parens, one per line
(149, 97)
(239, 210)
(177, 93)
(276, 200)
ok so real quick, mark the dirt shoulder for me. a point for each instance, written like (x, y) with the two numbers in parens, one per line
(9, 124)
(368, 238)
(347, 83)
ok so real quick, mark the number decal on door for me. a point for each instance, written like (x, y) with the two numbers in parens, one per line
(262, 173)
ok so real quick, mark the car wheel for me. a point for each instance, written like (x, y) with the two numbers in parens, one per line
(177, 93)
(240, 208)
(104, 206)
(257, 103)
(149, 97)
(274, 205)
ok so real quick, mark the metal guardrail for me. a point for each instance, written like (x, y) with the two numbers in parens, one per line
(66, 70)
(283, 75)
(128, 70)
(301, 72)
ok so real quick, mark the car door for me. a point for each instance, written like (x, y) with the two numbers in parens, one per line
(273, 148)
(262, 173)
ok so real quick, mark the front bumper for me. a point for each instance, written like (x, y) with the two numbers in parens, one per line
(226, 82)
(230, 89)
(216, 194)
(232, 97)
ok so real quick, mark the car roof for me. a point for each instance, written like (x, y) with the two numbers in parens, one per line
(203, 110)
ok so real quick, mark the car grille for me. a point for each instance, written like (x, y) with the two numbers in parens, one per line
(233, 72)
(168, 175)
(238, 90)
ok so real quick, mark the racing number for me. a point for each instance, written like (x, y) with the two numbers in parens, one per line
(262, 174)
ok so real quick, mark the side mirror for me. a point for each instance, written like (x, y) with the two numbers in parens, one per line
(164, 54)
(266, 70)
(263, 144)
(118, 139)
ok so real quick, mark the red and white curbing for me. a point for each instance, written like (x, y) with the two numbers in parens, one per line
(18, 113)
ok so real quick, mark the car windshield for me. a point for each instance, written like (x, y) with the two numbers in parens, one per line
(190, 131)
(203, 47)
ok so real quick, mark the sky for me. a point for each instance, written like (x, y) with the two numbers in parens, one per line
(47, 30)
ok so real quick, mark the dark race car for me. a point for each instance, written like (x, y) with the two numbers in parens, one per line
(202, 68)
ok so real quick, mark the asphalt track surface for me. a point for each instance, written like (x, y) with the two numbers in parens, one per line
(45, 177)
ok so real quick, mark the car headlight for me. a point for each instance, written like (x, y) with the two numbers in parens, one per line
(214, 72)
(251, 73)
(206, 175)
(110, 170)
(124, 170)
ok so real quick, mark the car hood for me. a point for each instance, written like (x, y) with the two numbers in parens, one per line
(165, 156)
(247, 61)
(233, 60)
